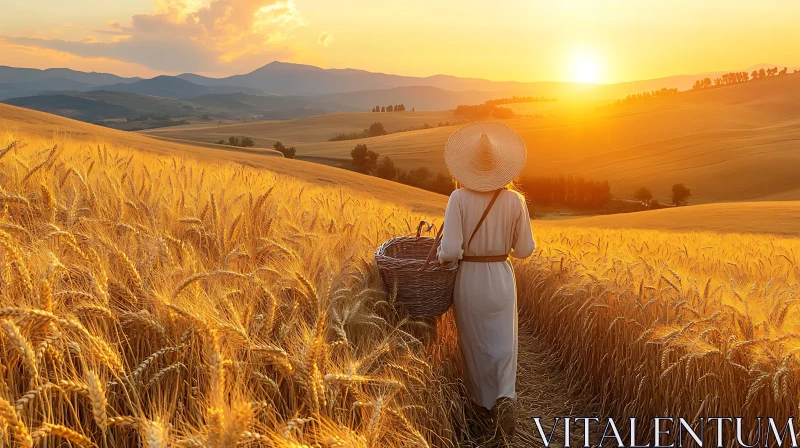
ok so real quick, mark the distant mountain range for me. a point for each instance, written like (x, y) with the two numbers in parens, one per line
(284, 90)
(29, 81)
(296, 79)
(173, 87)
(281, 78)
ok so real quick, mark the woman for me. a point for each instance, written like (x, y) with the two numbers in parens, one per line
(485, 223)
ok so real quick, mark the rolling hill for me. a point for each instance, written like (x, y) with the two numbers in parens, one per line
(306, 131)
(274, 107)
(734, 143)
(18, 82)
(298, 79)
(172, 87)
(421, 98)
(79, 108)
(98, 105)
(42, 124)
(780, 218)
(103, 104)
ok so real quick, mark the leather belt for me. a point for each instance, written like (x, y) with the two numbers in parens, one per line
(485, 258)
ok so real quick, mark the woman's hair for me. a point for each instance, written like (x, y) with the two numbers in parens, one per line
(514, 186)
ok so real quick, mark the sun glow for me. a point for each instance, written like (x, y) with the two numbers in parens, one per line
(586, 68)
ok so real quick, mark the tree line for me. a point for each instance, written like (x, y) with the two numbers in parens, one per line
(636, 97)
(518, 99)
(738, 77)
(390, 108)
(680, 196)
(707, 83)
(480, 111)
(241, 142)
(365, 161)
(572, 191)
(375, 129)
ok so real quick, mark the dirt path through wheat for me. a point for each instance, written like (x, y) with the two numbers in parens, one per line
(543, 390)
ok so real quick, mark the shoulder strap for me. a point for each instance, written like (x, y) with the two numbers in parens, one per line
(486, 212)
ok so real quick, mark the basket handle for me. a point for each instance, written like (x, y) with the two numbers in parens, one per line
(427, 229)
(434, 247)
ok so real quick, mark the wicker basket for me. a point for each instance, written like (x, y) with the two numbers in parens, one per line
(408, 266)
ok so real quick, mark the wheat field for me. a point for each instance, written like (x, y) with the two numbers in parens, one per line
(159, 301)
(670, 324)
(156, 300)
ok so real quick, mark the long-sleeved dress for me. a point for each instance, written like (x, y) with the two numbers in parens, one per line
(485, 296)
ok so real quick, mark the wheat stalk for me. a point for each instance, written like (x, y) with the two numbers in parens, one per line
(9, 415)
(49, 429)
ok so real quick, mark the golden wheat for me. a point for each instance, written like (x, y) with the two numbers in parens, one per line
(696, 320)
(162, 301)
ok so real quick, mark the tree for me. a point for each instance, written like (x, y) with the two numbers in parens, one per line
(289, 152)
(233, 141)
(364, 160)
(376, 129)
(383, 109)
(754, 75)
(386, 169)
(643, 194)
(680, 194)
(442, 183)
(502, 113)
(246, 141)
(419, 176)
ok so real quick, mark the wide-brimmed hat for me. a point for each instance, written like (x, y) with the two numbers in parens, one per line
(485, 156)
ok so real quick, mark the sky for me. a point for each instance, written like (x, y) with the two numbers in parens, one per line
(502, 40)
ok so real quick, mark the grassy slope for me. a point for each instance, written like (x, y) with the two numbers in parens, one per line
(772, 217)
(76, 107)
(143, 104)
(27, 121)
(781, 218)
(728, 144)
(302, 131)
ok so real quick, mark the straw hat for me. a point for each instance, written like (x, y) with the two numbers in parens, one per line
(485, 156)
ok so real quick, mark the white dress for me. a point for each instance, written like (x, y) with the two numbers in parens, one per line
(485, 296)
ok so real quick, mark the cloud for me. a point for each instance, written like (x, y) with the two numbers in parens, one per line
(35, 57)
(217, 36)
(325, 39)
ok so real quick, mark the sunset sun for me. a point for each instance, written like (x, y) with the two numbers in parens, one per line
(585, 68)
